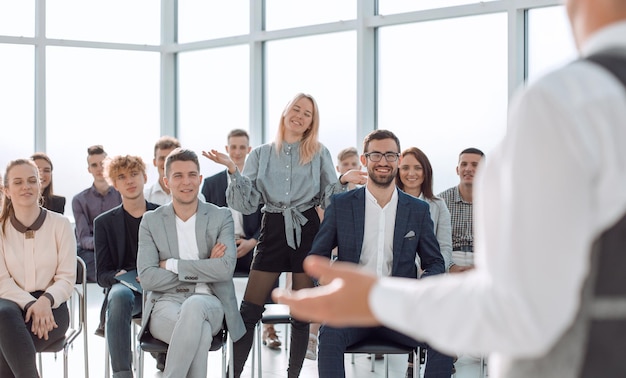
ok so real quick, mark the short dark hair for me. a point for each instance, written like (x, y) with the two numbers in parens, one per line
(379, 135)
(238, 133)
(472, 150)
(180, 154)
(96, 149)
(166, 142)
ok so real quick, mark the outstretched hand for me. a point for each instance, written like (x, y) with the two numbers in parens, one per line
(341, 301)
(220, 158)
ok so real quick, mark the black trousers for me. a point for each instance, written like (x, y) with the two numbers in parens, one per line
(18, 345)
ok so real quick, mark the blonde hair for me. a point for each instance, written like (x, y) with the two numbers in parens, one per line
(7, 204)
(309, 145)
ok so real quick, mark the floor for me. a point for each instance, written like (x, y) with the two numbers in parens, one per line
(274, 362)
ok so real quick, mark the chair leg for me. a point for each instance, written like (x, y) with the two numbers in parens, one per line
(259, 344)
(40, 365)
(417, 366)
(231, 362)
(373, 359)
(107, 365)
(386, 365)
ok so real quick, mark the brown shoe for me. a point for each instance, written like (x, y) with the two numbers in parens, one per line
(270, 339)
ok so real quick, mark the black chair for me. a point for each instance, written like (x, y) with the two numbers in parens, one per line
(273, 314)
(385, 347)
(78, 322)
(150, 344)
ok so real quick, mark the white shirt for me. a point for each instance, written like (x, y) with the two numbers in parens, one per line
(156, 194)
(187, 248)
(380, 222)
(564, 152)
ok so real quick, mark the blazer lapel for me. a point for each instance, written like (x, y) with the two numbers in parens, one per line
(402, 221)
(119, 229)
(358, 214)
(169, 230)
(202, 225)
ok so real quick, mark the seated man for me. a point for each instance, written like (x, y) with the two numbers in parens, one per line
(186, 261)
(381, 228)
(115, 241)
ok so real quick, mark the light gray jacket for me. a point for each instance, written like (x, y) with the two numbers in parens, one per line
(158, 240)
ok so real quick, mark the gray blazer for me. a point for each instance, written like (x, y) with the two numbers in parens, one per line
(158, 240)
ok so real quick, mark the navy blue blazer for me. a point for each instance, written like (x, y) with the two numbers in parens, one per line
(344, 225)
(109, 236)
(214, 191)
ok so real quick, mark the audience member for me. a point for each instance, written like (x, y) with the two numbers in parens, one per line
(459, 201)
(348, 159)
(37, 272)
(415, 177)
(248, 226)
(49, 200)
(90, 203)
(382, 229)
(545, 296)
(289, 177)
(116, 242)
(159, 193)
(186, 261)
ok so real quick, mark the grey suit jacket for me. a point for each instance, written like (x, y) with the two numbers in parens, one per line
(158, 240)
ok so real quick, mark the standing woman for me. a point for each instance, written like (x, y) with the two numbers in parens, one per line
(50, 201)
(289, 176)
(37, 272)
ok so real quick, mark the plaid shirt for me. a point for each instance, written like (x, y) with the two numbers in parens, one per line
(461, 217)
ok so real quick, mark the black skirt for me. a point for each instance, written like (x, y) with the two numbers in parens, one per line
(273, 254)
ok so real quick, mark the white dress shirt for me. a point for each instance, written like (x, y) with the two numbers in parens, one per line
(187, 248)
(555, 182)
(380, 222)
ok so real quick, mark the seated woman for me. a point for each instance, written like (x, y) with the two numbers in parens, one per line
(50, 201)
(37, 272)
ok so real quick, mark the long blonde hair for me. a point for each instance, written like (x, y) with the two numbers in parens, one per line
(309, 145)
(7, 204)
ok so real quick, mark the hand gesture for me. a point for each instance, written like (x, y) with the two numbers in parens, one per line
(354, 176)
(341, 301)
(220, 158)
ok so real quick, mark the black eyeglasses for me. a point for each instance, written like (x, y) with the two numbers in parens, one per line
(377, 156)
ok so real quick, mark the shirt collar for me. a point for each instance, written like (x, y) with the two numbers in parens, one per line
(607, 38)
(33, 227)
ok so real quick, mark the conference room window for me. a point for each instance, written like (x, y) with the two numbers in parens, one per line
(550, 42)
(17, 18)
(447, 93)
(122, 21)
(283, 14)
(17, 102)
(200, 20)
(214, 98)
(402, 6)
(99, 96)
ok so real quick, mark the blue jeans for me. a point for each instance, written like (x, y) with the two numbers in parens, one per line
(122, 305)
(334, 341)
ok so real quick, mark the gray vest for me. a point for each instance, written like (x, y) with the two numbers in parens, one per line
(595, 344)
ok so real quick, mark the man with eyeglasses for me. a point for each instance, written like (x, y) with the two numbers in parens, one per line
(382, 229)
(459, 200)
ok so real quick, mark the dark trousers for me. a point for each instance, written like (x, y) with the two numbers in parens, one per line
(334, 341)
(89, 258)
(18, 345)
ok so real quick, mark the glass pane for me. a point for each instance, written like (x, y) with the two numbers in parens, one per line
(17, 18)
(18, 102)
(214, 98)
(200, 19)
(447, 93)
(327, 71)
(401, 6)
(550, 41)
(136, 21)
(283, 14)
(95, 96)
